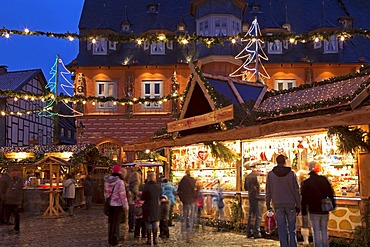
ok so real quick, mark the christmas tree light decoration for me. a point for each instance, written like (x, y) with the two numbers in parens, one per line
(252, 53)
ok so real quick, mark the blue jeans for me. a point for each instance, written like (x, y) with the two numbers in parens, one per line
(255, 214)
(319, 224)
(286, 223)
(189, 215)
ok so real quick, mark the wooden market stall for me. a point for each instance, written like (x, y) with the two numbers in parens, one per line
(54, 166)
(295, 120)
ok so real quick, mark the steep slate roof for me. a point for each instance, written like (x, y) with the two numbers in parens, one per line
(306, 16)
(323, 96)
(15, 80)
(303, 16)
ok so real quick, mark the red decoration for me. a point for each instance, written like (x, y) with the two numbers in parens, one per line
(203, 155)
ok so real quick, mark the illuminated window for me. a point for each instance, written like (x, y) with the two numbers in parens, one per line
(284, 84)
(152, 90)
(105, 89)
(275, 47)
(157, 48)
(100, 47)
(331, 46)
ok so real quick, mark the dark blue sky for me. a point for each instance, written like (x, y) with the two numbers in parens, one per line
(32, 52)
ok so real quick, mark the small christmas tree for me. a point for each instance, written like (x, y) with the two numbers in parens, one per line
(252, 53)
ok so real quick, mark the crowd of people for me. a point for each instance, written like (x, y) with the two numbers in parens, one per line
(287, 198)
(146, 207)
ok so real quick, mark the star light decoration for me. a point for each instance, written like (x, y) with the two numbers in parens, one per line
(252, 53)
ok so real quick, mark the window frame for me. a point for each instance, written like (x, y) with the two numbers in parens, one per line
(285, 83)
(275, 51)
(152, 93)
(109, 104)
(100, 43)
(334, 42)
(161, 46)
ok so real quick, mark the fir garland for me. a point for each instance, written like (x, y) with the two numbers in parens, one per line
(221, 152)
(350, 138)
(186, 38)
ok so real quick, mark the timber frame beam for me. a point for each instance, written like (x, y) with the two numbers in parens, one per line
(359, 116)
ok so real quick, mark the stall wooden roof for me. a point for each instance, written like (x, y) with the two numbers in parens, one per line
(54, 161)
(334, 103)
(331, 95)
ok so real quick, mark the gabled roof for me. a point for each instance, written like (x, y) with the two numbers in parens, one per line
(54, 161)
(207, 93)
(15, 80)
(337, 93)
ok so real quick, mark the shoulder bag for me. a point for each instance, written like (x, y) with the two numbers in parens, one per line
(107, 203)
(326, 203)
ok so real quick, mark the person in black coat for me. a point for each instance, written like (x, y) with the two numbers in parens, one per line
(313, 190)
(151, 211)
(188, 194)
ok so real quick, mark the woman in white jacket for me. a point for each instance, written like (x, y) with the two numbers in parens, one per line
(69, 191)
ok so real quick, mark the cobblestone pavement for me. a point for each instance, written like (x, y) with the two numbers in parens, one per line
(90, 228)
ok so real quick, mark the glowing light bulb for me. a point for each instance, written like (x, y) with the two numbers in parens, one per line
(233, 41)
(139, 42)
(342, 38)
(32, 98)
(26, 30)
(93, 103)
(161, 37)
(317, 39)
(7, 35)
(93, 41)
(291, 40)
(84, 102)
(71, 38)
(15, 99)
(2, 113)
(184, 41)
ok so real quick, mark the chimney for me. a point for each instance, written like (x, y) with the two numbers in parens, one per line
(3, 69)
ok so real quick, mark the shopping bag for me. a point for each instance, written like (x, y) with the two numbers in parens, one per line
(270, 222)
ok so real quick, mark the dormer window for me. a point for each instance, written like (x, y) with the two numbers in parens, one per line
(216, 25)
(331, 45)
(157, 48)
(99, 47)
(180, 27)
(112, 45)
(275, 47)
(153, 8)
(347, 22)
(245, 27)
(256, 8)
(287, 27)
(125, 27)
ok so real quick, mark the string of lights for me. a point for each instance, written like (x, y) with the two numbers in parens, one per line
(184, 39)
(78, 100)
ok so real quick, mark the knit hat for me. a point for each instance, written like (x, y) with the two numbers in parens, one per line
(116, 169)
